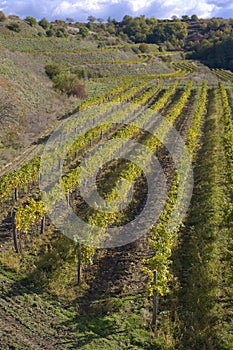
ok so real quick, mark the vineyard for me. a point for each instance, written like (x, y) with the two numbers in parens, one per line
(163, 279)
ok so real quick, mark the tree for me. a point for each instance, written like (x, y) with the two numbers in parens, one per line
(111, 29)
(175, 18)
(137, 28)
(44, 23)
(185, 18)
(60, 22)
(69, 20)
(2, 16)
(91, 19)
(194, 18)
(31, 21)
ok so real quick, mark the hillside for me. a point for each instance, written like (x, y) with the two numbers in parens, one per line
(163, 283)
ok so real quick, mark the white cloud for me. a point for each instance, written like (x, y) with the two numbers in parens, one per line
(80, 10)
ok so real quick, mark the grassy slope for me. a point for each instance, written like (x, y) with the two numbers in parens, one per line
(34, 104)
(201, 257)
(33, 319)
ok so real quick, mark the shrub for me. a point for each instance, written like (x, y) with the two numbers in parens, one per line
(80, 91)
(44, 23)
(53, 69)
(65, 82)
(80, 72)
(144, 48)
(14, 26)
(83, 31)
(31, 21)
(13, 17)
(2, 16)
(40, 34)
(69, 84)
(50, 32)
(136, 49)
(60, 22)
(61, 33)
(101, 45)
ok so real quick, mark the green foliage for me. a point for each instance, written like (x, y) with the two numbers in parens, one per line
(31, 20)
(14, 26)
(91, 19)
(163, 238)
(203, 263)
(83, 31)
(173, 33)
(2, 16)
(44, 23)
(136, 28)
(185, 18)
(216, 54)
(149, 30)
(53, 69)
(81, 73)
(50, 32)
(61, 32)
(65, 82)
(194, 18)
(69, 20)
(144, 48)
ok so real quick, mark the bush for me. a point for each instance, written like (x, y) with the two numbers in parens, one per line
(2, 16)
(31, 21)
(84, 32)
(61, 33)
(65, 82)
(53, 69)
(40, 34)
(80, 91)
(14, 26)
(144, 48)
(80, 72)
(69, 84)
(14, 17)
(50, 32)
(44, 23)
(136, 50)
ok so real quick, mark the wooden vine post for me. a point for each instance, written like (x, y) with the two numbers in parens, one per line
(79, 262)
(42, 225)
(155, 302)
(16, 194)
(16, 233)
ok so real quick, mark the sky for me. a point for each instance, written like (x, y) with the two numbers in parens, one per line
(81, 9)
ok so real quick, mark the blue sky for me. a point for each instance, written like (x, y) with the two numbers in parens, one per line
(81, 9)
